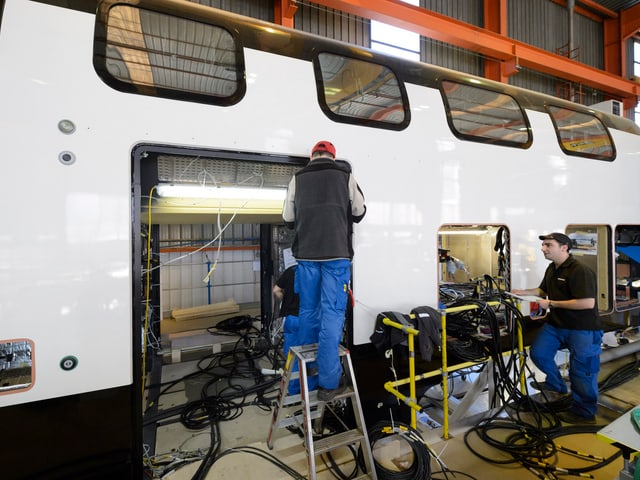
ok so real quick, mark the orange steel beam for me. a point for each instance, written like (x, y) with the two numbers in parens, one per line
(598, 8)
(283, 12)
(492, 45)
(586, 13)
(630, 22)
(191, 249)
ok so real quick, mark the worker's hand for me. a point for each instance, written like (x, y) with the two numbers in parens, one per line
(544, 303)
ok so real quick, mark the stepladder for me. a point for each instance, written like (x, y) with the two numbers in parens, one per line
(308, 413)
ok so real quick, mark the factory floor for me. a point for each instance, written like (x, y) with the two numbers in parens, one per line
(242, 435)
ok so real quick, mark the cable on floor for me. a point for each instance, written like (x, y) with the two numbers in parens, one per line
(265, 455)
(334, 468)
(229, 382)
(527, 434)
(419, 468)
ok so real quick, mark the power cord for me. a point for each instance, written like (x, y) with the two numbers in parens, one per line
(419, 468)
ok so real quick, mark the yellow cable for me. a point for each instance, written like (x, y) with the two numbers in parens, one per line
(146, 293)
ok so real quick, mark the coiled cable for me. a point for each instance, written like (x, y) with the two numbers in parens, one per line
(420, 468)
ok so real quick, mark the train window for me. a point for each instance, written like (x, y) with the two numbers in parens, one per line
(16, 358)
(359, 92)
(480, 115)
(473, 261)
(582, 134)
(591, 244)
(628, 269)
(151, 53)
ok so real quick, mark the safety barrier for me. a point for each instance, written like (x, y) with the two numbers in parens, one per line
(445, 369)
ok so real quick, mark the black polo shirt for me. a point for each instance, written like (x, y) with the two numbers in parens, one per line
(571, 280)
(290, 299)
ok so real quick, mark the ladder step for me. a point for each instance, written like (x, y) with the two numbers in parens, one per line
(332, 442)
(309, 419)
(347, 393)
(313, 397)
(297, 419)
(309, 352)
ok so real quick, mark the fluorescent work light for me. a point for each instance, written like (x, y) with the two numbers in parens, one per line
(226, 193)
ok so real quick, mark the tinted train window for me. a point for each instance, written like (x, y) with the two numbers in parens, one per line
(364, 93)
(482, 115)
(582, 134)
(151, 53)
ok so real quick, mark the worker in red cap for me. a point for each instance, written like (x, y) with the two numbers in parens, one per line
(322, 203)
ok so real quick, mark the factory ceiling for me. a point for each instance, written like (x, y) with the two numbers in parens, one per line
(615, 5)
(504, 55)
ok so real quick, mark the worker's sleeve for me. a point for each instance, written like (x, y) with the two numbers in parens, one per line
(288, 208)
(358, 208)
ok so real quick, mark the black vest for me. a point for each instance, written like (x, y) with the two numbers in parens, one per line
(324, 224)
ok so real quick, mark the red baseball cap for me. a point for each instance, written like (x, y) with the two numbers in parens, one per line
(324, 146)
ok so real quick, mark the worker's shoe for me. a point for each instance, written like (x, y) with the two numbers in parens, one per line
(544, 387)
(326, 395)
(574, 418)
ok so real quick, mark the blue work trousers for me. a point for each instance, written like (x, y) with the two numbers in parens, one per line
(323, 290)
(584, 363)
(291, 324)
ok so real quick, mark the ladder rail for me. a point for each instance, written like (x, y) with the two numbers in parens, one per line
(303, 355)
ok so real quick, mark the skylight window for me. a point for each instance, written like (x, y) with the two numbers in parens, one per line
(396, 41)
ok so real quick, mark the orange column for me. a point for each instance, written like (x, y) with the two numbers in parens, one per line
(613, 52)
(495, 20)
(283, 12)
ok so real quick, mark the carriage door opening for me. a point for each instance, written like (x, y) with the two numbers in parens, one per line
(473, 260)
(206, 243)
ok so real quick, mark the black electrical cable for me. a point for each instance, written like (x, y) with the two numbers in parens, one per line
(620, 376)
(265, 455)
(591, 429)
(515, 440)
(210, 457)
(335, 469)
(530, 442)
(420, 468)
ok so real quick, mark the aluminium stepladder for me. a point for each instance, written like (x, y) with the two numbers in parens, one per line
(306, 354)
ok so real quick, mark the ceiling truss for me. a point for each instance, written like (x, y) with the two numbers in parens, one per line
(504, 55)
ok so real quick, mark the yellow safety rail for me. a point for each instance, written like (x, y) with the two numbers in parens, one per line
(411, 332)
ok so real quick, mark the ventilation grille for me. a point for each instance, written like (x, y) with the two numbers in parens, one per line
(224, 172)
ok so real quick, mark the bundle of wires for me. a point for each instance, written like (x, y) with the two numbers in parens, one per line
(462, 328)
(620, 376)
(267, 456)
(228, 380)
(420, 467)
(534, 448)
(527, 435)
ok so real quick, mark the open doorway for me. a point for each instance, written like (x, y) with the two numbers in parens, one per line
(473, 259)
(206, 247)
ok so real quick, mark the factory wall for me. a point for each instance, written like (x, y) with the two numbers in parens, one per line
(541, 23)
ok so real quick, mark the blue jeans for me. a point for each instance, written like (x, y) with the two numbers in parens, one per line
(291, 324)
(323, 289)
(584, 363)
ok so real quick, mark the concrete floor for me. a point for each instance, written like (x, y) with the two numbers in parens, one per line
(252, 426)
